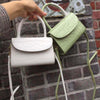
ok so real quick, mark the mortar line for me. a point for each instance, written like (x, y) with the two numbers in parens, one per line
(64, 69)
(85, 98)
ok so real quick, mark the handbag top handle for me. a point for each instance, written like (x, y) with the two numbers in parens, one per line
(56, 5)
(22, 22)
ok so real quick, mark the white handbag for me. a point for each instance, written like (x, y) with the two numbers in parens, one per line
(31, 51)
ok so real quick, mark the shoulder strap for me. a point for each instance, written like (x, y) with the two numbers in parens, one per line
(89, 65)
(10, 81)
(60, 75)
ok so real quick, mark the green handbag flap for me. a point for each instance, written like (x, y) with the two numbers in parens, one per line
(65, 26)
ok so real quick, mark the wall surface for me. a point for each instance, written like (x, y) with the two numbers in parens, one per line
(16, 74)
(39, 82)
(95, 4)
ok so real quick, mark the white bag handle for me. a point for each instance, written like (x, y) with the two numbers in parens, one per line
(22, 22)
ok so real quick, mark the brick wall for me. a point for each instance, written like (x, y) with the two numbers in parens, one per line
(39, 82)
(16, 73)
(95, 4)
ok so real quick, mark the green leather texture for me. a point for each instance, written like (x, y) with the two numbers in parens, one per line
(65, 36)
(65, 26)
(67, 31)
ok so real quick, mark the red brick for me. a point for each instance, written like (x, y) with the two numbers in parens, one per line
(98, 43)
(99, 62)
(99, 23)
(97, 5)
(96, 15)
(99, 53)
(89, 94)
(97, 34)
(95, 25)
(93, 5)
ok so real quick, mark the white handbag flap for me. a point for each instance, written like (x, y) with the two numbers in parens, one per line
(32, 44)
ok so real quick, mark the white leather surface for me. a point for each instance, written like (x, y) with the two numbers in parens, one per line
(32, 44)
(19, 58)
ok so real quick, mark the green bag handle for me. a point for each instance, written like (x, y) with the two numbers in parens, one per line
(56, 5)
(89, 65)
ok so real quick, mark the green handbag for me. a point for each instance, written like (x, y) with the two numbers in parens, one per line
(67, 31)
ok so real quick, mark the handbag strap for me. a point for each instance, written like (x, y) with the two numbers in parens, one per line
(23, 21)
(61, 74)
(56, 5)
(10, 81)
(89, 65)
(15, 90)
